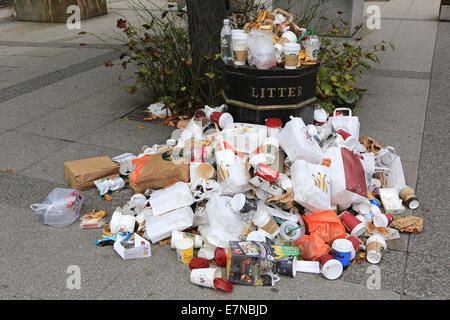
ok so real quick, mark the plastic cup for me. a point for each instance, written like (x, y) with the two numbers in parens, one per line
(185, 250)
(375, 246)
(178, 235)
(205, 276)
(353, 225)
(331, 268)
(291, 54)
(270, 148)
(287, 234)
(223, 119)
(273, 127)
(342, 249)
(320, 117)
(239, 41)
(312, 48)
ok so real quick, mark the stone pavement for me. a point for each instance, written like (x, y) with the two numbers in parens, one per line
(58, 102)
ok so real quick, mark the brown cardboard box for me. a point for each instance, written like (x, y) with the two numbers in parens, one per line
(80, 174)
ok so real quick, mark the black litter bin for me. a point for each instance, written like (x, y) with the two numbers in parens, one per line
(254, 95)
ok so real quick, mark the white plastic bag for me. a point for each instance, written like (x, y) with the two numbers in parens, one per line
(61, 207)
(261, 52)
(311, 184)
(395, 178)
(161, 227)
(231, 172)
(349, 124)
(224, 225)
(298, 144)
(347, 177)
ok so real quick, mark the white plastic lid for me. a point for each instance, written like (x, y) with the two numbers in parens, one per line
(342, 245)
(292, 47)
(238, 202)
(239, 35)
(380, 220)
(226, 21)
(290, 36)
(359, 230)
(321, 115)
(373, 256)
(413, 204)
(332, 269)
(225, 120)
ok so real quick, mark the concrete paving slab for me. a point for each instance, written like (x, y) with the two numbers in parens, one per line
(391, 270)
(20, 150)
(425, 273)
(52, 167)
(126, 135)
(35, 52)
(426, 10)
(67, 124)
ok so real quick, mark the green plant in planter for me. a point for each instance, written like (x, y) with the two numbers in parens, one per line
(160, 49)
(341, 64)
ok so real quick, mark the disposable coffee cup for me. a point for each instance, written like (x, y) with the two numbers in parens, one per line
(375, 246)
(273, 127)
(349, 140)
(240, 203)
(291, 55)
(178, 235)
(239, 41)
(205, 276)
(122, 222)
(331, 268)
(380, 221)
(355, 243)
(287, 266)
(342, 251)
(287, 37)
(312, 48)
(223, 119)
(407, 194)
(266, 223)
(185, 250)
(290, 230)
(320, 117)
(205, 171)
(353, 225)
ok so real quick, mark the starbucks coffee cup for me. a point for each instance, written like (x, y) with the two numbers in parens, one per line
(291, 55)
(239, 41)
(375, 246)
(312, 48)
(265, 222)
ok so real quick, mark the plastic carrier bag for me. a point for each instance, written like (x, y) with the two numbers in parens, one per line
(325, 224)
(61, 207)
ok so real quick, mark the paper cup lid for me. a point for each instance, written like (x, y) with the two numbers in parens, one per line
(198, 263)
(222, 284)
(292, 46)
(171, 142)
(225, 120)
(332, 269)
(238, 202)
(359, 230)
(273, 123)
(380, 220)
(342, 245)
(413, 203)
(290, 35)
(320, 115)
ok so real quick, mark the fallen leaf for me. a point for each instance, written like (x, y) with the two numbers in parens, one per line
(141, 126)
(108, 197)
(9, 170)
(125, 118)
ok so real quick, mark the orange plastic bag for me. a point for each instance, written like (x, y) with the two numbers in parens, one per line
(326, 224)
(311, 246)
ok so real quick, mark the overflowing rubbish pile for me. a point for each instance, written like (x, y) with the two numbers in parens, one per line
(272, 40)
(258, 200)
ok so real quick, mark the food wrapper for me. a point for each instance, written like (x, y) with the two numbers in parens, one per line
(408, 224)
(284, 201)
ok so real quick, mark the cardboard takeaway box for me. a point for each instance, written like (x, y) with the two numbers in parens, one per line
(81, 174)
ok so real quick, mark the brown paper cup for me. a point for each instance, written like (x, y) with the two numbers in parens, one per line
(240, 56)
(292, 61)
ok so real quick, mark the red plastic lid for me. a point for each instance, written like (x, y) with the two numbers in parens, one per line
(220, 256)
(225, 285)
(198, 263)
(274, 123)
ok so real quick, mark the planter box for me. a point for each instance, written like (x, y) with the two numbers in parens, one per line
(353, 11)
(56, 10)
(254, 95)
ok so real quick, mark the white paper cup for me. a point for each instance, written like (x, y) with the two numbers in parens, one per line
(178, 235)
(122, 222)
(287, 37)
(239, 43)
(375, 246)
(380, 221)
(205, 276)
(291, 54)
(185, 250)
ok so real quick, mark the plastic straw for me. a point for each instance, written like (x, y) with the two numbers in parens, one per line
(303, 37)
(295, 228)
(312, 31)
